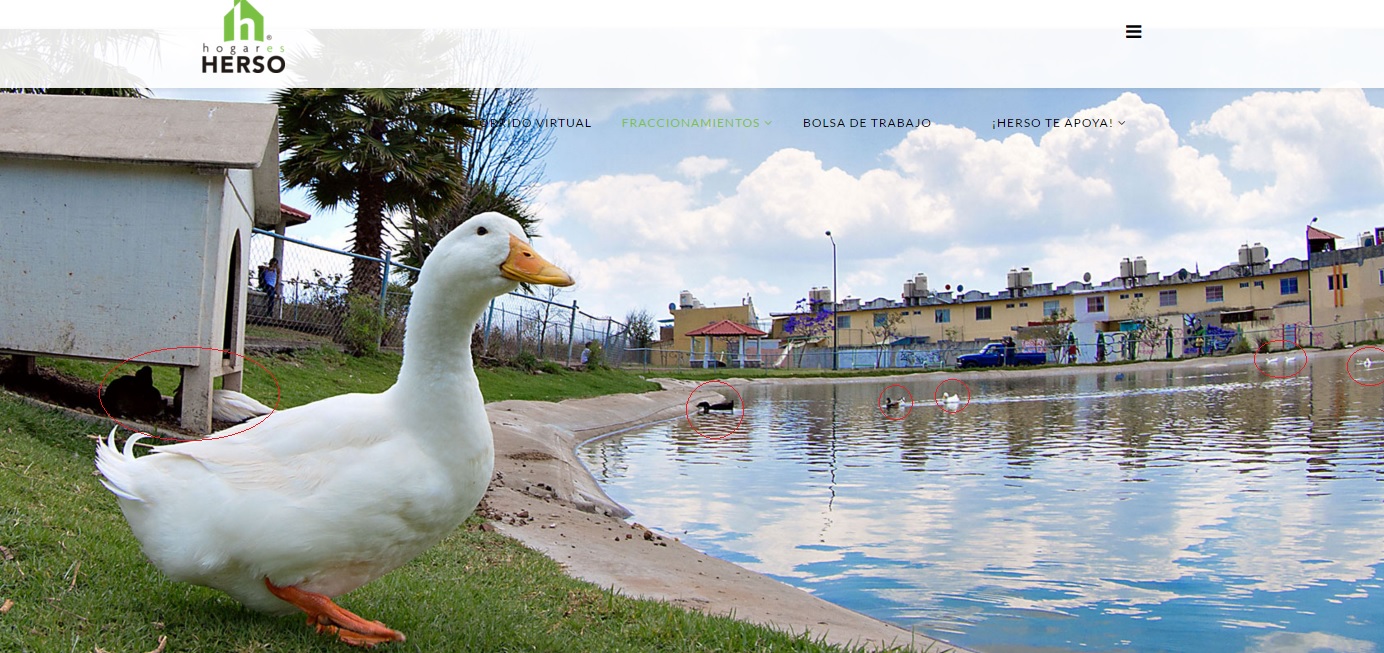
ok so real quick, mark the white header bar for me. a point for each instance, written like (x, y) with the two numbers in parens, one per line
(715, 14)
(694, 58)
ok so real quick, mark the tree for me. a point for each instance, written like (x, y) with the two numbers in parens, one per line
(72, 58)
(505, 152)
(1150, 332)
(546, 317)
(1053, 331)
(810, 319)
(639, 324)
(639, 329)
(502, 165)
(419, 235)
(93, 92)
(886, 328)
(379, 150)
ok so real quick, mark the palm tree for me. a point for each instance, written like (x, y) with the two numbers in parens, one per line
(68, 61)
(379, 150)
(420, 235)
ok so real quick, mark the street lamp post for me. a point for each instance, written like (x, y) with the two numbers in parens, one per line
(1308, 236)
(835, 302)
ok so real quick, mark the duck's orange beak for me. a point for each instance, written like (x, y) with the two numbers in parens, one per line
(525, 265)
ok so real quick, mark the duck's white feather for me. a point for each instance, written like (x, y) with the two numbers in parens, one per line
(331, 495)
(232, 406)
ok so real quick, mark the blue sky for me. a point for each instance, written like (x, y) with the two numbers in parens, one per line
(638, 214)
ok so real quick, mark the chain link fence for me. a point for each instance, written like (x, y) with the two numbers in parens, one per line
(311, 303)
(1167, 342)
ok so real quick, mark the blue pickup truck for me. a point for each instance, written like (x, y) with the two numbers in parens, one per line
(993, 356)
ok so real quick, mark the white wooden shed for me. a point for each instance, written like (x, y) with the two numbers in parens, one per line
(124, 228)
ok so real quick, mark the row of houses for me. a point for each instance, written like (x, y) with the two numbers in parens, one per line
(1298, 300)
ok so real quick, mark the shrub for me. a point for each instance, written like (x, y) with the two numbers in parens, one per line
(363, 327)
(525, 361)
(596, 360)
(549, 367)
(1240, 346)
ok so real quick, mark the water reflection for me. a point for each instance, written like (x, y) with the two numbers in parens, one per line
(1188, 509)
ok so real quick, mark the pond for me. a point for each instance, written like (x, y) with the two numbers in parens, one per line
(1195, 507)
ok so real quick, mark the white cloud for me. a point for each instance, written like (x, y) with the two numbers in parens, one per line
(696, 167)
(1318, 147)
(963, 208)
(719, 103)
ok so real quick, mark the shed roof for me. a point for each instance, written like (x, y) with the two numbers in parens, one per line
(726, 328)
(241, 135)
(293, 216)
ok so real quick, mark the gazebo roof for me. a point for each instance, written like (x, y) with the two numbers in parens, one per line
(726, 328)
(1314, 233)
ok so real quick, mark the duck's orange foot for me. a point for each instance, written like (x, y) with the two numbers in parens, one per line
(333, 619)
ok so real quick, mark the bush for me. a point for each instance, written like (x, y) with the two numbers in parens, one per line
(1240, 346)
(363, 326)
(549, 367)
(596, 360)
(525, 361)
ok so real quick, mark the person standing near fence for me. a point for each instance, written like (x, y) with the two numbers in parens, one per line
(269, 283)
(586, 354)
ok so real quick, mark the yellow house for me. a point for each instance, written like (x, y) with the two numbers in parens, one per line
(1248, 297)
(690, 314)
(1348, 289)
(943, 318)
(1341, 290)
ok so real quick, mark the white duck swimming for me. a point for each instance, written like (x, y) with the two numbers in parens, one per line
(326, 497)
(951, 400)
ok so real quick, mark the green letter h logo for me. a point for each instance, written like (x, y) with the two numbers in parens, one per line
(243, 22)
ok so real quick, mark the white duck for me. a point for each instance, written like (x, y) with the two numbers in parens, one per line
(227, 405)
(951, 400)
(232, 406)
(326, 497)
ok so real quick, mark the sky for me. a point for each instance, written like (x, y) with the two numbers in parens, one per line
(1181, 177)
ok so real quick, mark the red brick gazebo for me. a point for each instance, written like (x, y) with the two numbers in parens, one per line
(722, 329)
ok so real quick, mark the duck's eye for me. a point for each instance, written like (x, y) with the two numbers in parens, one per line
(481, 231)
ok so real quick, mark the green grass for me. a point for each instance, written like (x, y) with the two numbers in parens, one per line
(78, 581)
(312, 374)
(263, 332)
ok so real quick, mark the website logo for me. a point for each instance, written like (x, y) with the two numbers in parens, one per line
(244, 23)
(245, 47)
